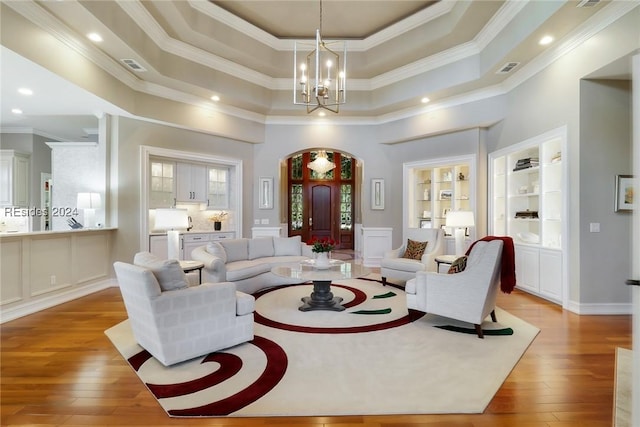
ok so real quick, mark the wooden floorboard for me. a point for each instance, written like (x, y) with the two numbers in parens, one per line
(59, 369)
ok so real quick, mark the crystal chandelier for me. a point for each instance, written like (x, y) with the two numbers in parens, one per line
(321, 164)
(326, 88)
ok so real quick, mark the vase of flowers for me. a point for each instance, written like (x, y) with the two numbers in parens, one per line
(322, 248)
(217, 219)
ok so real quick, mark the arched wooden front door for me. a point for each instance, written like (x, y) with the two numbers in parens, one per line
(321, 206)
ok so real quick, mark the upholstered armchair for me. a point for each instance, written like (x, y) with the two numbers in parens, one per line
(395, 265)
(179, 322)
(468, 296)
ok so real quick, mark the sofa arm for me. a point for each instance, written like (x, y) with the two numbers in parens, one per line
(306, 250)
(222, 296)
(214, 267)
(394, 253)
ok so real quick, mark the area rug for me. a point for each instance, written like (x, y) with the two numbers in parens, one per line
(376, 357)
(622, 395)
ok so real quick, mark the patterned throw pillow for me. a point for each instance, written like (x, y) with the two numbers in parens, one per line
(414, 249)
(458, 265)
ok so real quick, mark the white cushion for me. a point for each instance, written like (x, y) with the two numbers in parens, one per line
(216, 249)
(402, 264)
(260, 247)
(245, 303)
(169, 274)
(287, 245)
(236, 249)
(240, 270)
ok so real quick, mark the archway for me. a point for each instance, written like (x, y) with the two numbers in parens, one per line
(322, 205)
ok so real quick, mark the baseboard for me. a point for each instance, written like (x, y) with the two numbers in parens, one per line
(600, 309)
(42, 303)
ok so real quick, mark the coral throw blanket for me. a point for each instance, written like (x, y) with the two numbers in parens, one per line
(508, 264)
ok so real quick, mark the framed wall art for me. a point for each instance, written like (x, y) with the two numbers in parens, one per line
(377, 194)
(626, 187)
(265, 192)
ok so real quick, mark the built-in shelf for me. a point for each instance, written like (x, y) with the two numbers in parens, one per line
(528, 202)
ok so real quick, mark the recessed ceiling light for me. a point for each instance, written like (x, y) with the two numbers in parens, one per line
(16, 111)
(545, 40)
(322, 114)
(94, 37)
(215, 98)
(425, 100)
(25, 91)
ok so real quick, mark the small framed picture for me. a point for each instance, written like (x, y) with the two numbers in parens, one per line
(626, 187)
(445, 194)
(377, 194)
(265, 192)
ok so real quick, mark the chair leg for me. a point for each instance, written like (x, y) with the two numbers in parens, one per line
(384, 281)
(479, 331)
(493, 316)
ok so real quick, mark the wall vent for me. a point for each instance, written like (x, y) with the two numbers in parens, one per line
(506, 68)
(133, 64)
(588, 3)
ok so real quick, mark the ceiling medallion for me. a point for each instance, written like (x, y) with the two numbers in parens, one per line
(326, 88)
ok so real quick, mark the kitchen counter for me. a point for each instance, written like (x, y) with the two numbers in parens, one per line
(52, 232)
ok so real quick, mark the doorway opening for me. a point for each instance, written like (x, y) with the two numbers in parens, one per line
(322, 205)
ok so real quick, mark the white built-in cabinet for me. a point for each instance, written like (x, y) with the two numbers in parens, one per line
(434, 187)
(188, 242)
(14, 178)
(191, 183)
(162, 183)
(528, 202)
(172, 182)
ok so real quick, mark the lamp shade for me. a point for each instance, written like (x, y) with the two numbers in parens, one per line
(89, 201)
(171, 219)
(460, 219)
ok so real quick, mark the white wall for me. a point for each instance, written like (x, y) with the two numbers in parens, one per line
(605, 151)
(551, 99)
(128, 135)
(379, 160)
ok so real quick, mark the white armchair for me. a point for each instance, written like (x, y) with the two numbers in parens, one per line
(468, 296)
(186, 322)
(394, 265)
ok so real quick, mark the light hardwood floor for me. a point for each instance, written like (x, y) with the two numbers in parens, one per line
(58, 368)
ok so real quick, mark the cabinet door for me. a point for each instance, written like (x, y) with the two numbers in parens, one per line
(158, 246)
(21, 181)
(527, 268)
(551, 274)
(6, 172)
(162, 182)
(192, 241)
(191, 183)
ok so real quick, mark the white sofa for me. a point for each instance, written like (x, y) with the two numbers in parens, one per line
(248, 262)
(176, 322)
(469, 296)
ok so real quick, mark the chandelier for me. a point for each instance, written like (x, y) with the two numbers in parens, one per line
(319, 80)
(321, 164)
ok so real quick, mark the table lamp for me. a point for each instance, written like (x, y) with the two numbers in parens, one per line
(172, 220)
(459, 221)
(89, 202)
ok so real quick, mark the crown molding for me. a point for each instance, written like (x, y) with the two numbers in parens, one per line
(30, 131)
(598, 22)
(156, 33)
(417, 19)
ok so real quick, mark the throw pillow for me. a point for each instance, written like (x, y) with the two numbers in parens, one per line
(415, 249)
(458, 265)
(236, 249)
(284, 246)
(261, 247)
(216, 249)
(169, 274)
